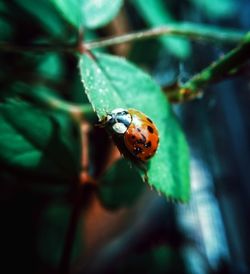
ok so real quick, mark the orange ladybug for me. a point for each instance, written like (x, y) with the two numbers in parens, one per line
(138, 132)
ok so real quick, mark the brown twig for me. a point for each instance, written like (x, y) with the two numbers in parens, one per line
(188, 30)
(79, 197)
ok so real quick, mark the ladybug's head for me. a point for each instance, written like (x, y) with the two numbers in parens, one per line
(118, 120)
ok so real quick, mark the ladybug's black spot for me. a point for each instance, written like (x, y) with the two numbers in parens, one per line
(140, 141)
(148, 144)
(133, 137)
(150, 129)
(137, 150)
(143, 138)
(150, 121)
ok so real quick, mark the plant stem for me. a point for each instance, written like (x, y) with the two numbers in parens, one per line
(224, 66)
(77, 112)
(80, 198)
(188, 30)
(228, 65)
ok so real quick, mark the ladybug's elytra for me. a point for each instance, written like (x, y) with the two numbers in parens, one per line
(139, 133)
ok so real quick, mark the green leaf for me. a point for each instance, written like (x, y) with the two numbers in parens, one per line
(70, 10)
(97, 13)
(99, 89)
(35, 141)
(50, 67)
(120, 186)
(155, 13)
(111, 82)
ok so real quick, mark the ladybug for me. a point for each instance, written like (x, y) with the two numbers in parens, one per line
(136, 131)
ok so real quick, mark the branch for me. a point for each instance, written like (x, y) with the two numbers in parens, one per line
(187, 30)
(228, 65)
(80, 199)
(77, 112)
